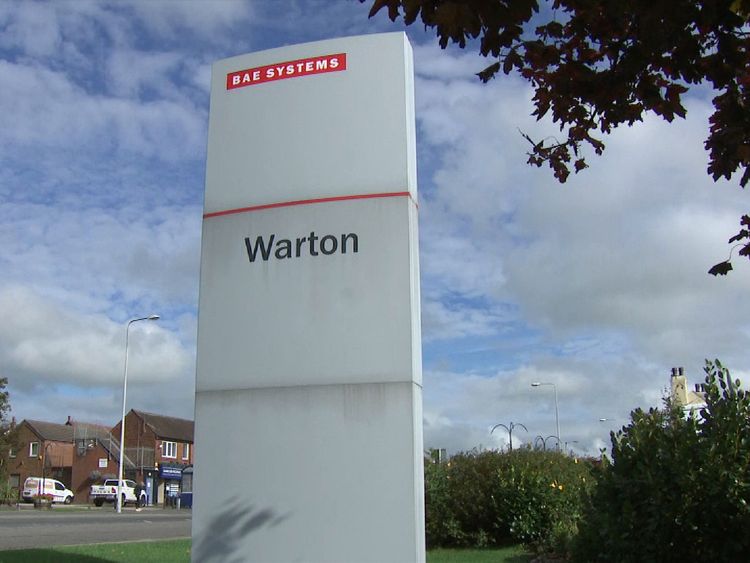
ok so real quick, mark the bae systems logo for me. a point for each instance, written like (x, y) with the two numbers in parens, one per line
(289, 69)
(282, 248)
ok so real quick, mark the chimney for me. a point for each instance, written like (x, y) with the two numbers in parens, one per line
(679, 387)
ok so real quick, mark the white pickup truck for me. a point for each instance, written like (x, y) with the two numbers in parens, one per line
(108, 493)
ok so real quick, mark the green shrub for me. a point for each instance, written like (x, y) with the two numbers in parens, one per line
(460, 507)
(494, 499)
(8, 494)
(441, 527)
(541, 496)
(678, 487)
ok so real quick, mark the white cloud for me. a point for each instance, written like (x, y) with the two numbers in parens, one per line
(131, 72)
(461, 408)
(448, 65)
(43, 109)
(45, 342)
(30, 26)
(622, 249)
(169, 19)
(441, 321)
(147, 256)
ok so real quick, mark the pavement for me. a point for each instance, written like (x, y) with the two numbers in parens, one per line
(24, 527)
(75, 507)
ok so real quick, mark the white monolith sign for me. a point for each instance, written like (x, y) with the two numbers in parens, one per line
(308, 406)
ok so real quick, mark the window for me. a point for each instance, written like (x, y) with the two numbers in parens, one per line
(34, 449)
(169, 449)
(185, 451)
(12, 453)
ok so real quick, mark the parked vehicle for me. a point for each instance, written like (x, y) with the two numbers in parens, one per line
(108, 493)
(35, 486)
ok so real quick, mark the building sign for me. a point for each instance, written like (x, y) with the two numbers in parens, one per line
(289, 69)
(168, 471)
(308, 370)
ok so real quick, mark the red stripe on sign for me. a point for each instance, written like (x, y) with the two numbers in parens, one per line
(302, 202)
(289, 69)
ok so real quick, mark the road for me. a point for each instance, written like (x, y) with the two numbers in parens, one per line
(28, 528)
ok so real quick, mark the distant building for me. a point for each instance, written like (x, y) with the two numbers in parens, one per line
(160, 447)
(691, 401)
(45, 449)
(96, 456)
(157, 449)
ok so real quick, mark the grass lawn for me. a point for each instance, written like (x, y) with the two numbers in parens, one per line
(171, 551)
(515, 554)
(178, 551)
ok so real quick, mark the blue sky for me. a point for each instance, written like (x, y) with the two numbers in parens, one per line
(598, 285)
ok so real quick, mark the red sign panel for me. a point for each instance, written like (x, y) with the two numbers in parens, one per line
(289, 69)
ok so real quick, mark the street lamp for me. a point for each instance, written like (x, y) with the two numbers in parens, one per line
(122, 420)
(44, 469)
(510, 431)
(557, 412)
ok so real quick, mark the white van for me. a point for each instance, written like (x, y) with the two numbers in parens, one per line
(33, 487)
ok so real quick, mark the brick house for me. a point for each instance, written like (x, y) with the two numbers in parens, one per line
(160, 447)
(95, 458)
(157, 449)
(45, 449)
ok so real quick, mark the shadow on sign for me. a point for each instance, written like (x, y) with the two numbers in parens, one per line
(225, 531)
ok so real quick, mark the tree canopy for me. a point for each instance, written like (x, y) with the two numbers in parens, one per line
(7, 433)
(596, 65)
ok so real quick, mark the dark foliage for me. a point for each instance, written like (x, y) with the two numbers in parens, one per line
(8, 437)
(678, 487)
(597, 65)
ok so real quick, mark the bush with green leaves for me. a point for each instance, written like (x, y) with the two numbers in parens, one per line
(8, 493)
(493, 499)
(677, 487)
(460, 511)
(541, 497)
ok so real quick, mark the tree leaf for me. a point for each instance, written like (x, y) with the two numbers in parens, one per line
(721, 269)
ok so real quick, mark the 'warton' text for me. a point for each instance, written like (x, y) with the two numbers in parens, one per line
(264, 248)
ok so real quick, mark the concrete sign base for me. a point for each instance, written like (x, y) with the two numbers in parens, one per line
(335, 479)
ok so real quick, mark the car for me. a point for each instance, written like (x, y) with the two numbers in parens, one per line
(35, 486)
(107, 492)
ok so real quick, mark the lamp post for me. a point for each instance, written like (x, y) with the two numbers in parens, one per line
(557, 412)
(122, 420)
(510, 431)
(44, 469)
